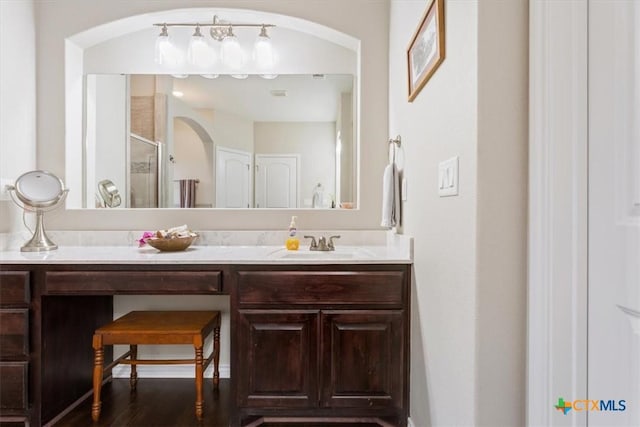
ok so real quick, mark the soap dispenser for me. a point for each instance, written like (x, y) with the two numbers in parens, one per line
(292, 242)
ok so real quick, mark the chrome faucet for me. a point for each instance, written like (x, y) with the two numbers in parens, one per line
(321, 244)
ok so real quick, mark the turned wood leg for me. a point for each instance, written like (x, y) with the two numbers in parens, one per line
(133, 379)
(216, 357)
(199, 375)
(98, 366)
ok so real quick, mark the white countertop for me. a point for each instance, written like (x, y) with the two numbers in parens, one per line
(212, 247)
(208, 255)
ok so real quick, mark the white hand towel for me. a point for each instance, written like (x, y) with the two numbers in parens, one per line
(390, 197)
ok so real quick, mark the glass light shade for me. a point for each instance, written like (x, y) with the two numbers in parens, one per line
(166, 53)
(199, 52)
(231, 52)
(263, 52)
(240, 76)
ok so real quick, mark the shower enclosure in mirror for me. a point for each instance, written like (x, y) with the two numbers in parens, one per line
(287, 141)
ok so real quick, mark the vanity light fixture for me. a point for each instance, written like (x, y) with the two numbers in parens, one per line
(199, 52)
(166, 52)
(263, 50)
(210, 76)
(231, 53)
(202, 55)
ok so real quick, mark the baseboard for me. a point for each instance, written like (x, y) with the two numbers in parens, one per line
(173, 371)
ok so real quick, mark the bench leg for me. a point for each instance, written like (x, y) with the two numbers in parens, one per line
(133, 379)
(216, 357)
(98, 366)
(199, 375)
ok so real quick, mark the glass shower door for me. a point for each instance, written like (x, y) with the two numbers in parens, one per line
(145, 175)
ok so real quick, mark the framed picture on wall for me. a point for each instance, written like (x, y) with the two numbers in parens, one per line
(426, 50)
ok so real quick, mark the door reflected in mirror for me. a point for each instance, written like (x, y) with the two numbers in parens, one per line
(202, 142)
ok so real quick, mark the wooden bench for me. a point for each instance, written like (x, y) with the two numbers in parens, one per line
(157, 327)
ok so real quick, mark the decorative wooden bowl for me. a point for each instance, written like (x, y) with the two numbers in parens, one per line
(171, 244)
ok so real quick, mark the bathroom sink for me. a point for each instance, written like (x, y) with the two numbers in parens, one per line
(318, 255)
(342, 254)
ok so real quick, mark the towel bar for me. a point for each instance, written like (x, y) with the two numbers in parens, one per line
(396, 141)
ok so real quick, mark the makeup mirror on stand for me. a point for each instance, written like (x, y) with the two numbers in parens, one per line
(38, 191)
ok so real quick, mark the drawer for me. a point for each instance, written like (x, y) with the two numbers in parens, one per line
(133, 282)
(14, 288)
(14, 377)
(335, 288)
(14, 333)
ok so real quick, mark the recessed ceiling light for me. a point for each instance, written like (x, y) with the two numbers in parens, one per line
(177, 94)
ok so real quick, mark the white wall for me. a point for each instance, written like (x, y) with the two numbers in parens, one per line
(501, 251)
(110, 136)
(439, 124)
(61, 19)
(193, 160)
(348, 165)
(468, 303)
(17, 100)
(233, 131)
(313, 141)
(558, 203)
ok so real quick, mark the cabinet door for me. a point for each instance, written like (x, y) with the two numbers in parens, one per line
(362, 358)
(278, 358)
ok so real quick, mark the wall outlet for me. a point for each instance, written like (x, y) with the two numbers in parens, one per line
(448, 177)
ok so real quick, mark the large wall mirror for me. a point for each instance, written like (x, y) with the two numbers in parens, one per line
(190, 137)
(199, 141)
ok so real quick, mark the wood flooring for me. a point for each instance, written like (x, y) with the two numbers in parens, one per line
(161, 402)
(158, 402)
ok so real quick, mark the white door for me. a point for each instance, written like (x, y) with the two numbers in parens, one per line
(234, 178)
(277, 181)
(614, 213)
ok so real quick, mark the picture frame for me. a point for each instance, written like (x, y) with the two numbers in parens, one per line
(427, 48)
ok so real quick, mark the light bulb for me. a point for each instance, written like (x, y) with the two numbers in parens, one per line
(166, 53)
(263, 50)
(231, 52)
(199, 52)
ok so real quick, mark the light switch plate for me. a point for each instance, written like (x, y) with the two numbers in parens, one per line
(448, 177)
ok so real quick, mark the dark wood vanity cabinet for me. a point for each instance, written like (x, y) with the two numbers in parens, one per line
(309, 343)
(14, 346)
(314, 344)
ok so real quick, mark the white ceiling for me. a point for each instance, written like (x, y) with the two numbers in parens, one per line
(308, 98)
